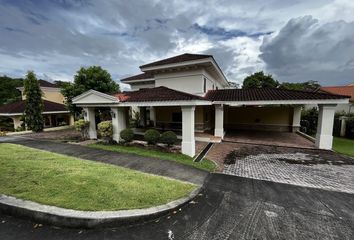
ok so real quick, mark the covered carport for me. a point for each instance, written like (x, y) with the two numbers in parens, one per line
(273, 110)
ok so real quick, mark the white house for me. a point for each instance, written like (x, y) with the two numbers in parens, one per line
(189, 93)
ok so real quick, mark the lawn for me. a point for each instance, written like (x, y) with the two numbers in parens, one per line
(177, 157)
(344, 146)
(69, 182)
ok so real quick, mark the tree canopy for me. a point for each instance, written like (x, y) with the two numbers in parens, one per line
(93, 77)
(260, 80)
(307, 86)
(8, 91)
(34, 103)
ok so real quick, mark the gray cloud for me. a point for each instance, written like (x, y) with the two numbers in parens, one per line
(56, 37)
(306, 49)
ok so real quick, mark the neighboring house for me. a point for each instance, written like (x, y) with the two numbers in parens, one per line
(189, 93)
(54, 111)
(348, 90)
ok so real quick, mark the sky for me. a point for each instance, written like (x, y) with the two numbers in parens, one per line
(294, 40)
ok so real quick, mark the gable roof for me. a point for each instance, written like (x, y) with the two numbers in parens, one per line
(342, 90)
(177, 59)
(267, 94)
(44, 83)
(19, 107)
(141, 76)
(156, 94)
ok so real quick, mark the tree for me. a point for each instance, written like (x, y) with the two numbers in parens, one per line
(93, 77)
(259, 80)
(8, 91)
(306, 86)
(34, 103)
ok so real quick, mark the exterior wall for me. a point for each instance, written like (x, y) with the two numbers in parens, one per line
(137, 86)
(50, 94)
(259, 118)
(191, 81)
(203, 118)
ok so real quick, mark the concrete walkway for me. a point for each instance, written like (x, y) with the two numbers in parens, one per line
(144, 164)
(229, 208)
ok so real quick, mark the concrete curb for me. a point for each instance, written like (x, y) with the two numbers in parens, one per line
(87, 219)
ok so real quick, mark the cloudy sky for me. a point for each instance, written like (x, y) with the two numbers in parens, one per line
(295, 40)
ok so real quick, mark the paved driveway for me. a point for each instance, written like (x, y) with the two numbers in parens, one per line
(229, 208)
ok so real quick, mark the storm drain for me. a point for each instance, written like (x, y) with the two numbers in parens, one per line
(203, 153)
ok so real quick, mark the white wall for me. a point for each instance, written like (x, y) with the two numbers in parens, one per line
(339, 109)
(191, 81)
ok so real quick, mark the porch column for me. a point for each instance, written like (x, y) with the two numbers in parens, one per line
(153, 116)
(324, 136)
(71, 120)
(219, 121)
(89, 115)
(17, 122)
(119, 121)
(343, 125)
(296, 118)
(188, 141)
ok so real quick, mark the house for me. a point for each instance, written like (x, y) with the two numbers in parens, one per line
(348, 90)
(54, 111)
(189, 93)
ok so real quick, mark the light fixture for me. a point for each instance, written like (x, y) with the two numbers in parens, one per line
(113, 114)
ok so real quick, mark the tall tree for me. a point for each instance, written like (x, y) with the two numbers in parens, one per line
(8, 91)
(259, 80)
(93, 77)
(307, 86)
(34, 103)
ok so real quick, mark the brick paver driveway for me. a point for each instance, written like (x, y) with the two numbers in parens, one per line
(303, 167)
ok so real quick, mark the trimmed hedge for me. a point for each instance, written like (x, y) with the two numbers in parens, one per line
(152, 136)
(82, 126)
(105, 129)
(127, 135)
(169, 138)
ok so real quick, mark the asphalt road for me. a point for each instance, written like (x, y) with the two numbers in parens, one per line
(230, 208)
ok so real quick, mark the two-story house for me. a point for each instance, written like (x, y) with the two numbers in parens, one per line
(189, 94)
(54, 111)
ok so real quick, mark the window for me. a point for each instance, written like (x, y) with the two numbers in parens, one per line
(204, 85)
(177, 117)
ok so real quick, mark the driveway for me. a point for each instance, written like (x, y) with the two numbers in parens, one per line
(230, 207)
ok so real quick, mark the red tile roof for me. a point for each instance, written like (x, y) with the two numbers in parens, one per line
(156, 94)
(177, 59)
(342, 90)
(266, 94)
(138, 77)
(19, 107)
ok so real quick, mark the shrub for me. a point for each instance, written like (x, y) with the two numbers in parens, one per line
(105, 129)
(82, 126)
(169, 138)
(2, 133)
(127, 135)
(152, 136)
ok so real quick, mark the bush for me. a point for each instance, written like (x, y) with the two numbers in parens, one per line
(169, 138)
(2, 134)
(105, 129)
(152, 136)
(309, 121)
(127, 135)
(82, 126)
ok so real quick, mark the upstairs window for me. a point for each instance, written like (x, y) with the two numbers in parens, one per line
(204, 85)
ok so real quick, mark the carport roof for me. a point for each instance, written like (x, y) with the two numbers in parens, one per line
(268, 94)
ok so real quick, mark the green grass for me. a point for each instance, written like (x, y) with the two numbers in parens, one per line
(69, 182)
(344, 146)
(177, 157)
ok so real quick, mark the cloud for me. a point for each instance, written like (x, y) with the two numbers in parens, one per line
(306, 49)
(57, 37)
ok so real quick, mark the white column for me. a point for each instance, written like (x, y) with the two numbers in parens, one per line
(324, 136)
(119, 121)
(219, 121)
(296, 118)
(188, 141)
(90, 116)
(153, 115)
(343, 127)
(71, 120)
